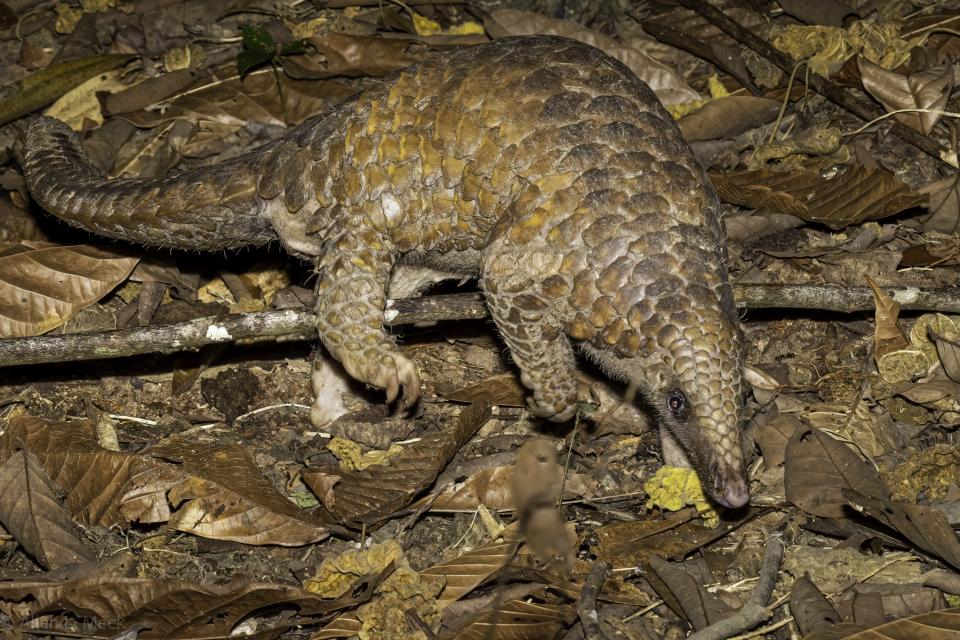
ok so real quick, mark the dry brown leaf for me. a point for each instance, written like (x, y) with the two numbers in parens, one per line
(503, 390)
(819, 468)
(42, 288)
(164, 608)
(234, 102)
(461, 575)
(369, 496)
(924, 526)
(30, 511)
(227, 498)
(928, 90)
(17, 224)
(773, 438)
(151, 90)
(697, 605)
(465, 572)
(810, 608)
(949, 353)
(935, 625)
(224, 106)
(93, 478)
(746, 228)
(853, 423)
(881, 602)
(944, 205)
(887, 336)
(630, 544)
(517, 620)
(727, 117)
(898, 361)
(851, 195)
(828, 12)
(346, 55)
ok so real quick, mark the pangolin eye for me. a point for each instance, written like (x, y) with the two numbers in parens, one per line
(677, 403)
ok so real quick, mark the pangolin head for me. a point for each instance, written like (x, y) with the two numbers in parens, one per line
(689, 371)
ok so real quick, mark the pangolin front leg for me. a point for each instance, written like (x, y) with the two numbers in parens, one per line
(353, 272)
(525, 317)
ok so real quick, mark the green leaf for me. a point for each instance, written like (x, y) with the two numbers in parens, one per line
(297, 46)
(257, 39)
(43, 87)
(248, 59)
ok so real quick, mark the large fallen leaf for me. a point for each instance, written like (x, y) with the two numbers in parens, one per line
(17, 225)
(148, 91)
(881, 602)
(819, 468)
(465, 572)
(517, 620)
(851, 195)
(335, 54)
(43, 87)
(503, 389)
(41, 288)
(727, 117)
(630, 544)
(826, 12)
(226, 497)
(82, 103)
(92, 477)
(948, 350)
(936, 625)
(30, 511)
(888, 336)
(924, 526)
(369, 496)
(810, 608)
(233, 102)
(858, 424)
(164, 608)
(697, 605)
(944, 205)
(927, 90)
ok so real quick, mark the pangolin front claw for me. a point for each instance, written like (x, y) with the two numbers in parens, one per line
(390, 371)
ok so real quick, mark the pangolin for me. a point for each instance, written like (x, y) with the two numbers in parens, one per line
(538, 163)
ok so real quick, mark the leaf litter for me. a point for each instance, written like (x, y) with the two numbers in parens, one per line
(183, 497)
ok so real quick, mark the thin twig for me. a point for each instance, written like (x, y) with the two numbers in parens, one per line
(587, 603)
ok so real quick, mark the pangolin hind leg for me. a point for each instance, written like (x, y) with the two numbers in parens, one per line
(524, 315)
(353, 272)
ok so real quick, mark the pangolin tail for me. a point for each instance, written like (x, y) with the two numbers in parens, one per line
(214, 207)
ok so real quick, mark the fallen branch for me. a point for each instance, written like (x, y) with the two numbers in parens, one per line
(754, 611)
(299, 325)
(587, 603)
(836, 94)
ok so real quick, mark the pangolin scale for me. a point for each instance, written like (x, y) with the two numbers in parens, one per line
(538, 163)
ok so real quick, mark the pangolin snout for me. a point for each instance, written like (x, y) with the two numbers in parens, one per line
(734, 494)
(729, 487)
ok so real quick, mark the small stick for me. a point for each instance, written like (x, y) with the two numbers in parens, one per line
(299, 325)
(587, 603)
(754, 611)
